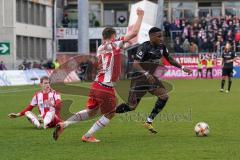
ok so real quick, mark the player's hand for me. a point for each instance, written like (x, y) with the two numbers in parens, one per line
(14, 115)
(140, 12)
(188, 71)
(150, 78)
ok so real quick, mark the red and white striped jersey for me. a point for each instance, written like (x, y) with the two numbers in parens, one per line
(109, 61)
(40, 98)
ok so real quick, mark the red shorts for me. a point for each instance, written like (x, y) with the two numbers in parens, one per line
(101, 97)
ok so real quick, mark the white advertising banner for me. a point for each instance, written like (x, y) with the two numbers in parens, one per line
(150, 13)
(94, 33)
(148, 22)
(10, 78)
(25, 77)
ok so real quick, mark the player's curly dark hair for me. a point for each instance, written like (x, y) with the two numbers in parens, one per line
(154, 30)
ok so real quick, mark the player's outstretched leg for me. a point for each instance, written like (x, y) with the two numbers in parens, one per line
(48, 119)
(32, 118)
(88, 137)
(101, 123)
(79, 116)
(58, 130)
(157, 108)
(123, 108)
(134, 98)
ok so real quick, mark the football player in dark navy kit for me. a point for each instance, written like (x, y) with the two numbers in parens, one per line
(228, 58)
(143, 79)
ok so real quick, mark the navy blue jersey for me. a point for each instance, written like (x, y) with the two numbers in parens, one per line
(228, 56)
(150, 53)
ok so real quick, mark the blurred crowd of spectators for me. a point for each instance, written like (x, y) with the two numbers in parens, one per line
(2, 66)
(49, 64)
(204, 35)
(65, 21)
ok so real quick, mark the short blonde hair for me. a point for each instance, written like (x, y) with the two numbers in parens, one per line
(44, 78)
(227, 47)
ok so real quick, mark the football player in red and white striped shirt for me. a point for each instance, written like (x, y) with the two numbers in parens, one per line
(102, 97)
(49, 105)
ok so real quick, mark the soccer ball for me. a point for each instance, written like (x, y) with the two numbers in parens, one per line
(201, 129)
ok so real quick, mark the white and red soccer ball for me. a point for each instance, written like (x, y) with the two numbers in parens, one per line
(201, 129)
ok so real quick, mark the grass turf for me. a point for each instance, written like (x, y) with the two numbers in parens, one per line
(190, 102)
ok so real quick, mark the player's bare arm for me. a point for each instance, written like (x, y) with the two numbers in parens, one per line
(137, 66)
(14, 115)
(19, 114)
(233, 60)
(173, 62)
(136, 27)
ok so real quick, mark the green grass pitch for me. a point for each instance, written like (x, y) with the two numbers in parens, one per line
(191, 101)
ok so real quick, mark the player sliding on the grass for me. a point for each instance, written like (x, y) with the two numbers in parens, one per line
(143, 80)
(49, 105)
(102, 97)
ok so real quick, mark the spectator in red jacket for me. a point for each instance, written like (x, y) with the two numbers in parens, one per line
(237, 36)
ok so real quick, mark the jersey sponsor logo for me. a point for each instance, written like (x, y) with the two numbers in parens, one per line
(161, 51)
(166, 50)
(139, 54)
(227, 56)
